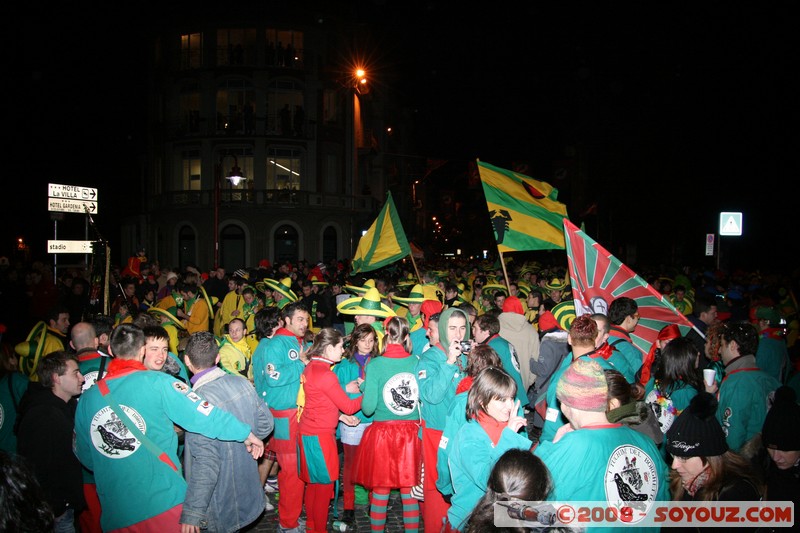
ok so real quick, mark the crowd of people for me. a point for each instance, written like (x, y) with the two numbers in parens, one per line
(471, 384)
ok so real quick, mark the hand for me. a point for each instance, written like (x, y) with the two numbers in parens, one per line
(516, 422)
(453, 352)
(350, 420)
(353, 387)
(186, 528)
(563, 430)
(255, 446)
(711, 388)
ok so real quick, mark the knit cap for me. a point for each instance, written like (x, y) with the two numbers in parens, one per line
(697, 432)
(781, 430)
(583, 386)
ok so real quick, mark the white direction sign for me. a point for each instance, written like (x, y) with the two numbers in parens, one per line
(71, 192)
(71, 206)
(69, 247)
(730, 224)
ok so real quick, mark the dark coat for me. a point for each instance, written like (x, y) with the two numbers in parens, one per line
(44, 428)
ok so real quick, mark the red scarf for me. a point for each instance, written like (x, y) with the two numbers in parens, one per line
(773, 333)
(605, 351)
(122, 366)
(492, 427)
(464, 384)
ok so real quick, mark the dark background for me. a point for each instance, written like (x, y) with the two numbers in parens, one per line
(677, 111)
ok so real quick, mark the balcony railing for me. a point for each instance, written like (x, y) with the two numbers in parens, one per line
(277, 198)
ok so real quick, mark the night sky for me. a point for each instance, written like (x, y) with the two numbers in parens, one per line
(678, 111)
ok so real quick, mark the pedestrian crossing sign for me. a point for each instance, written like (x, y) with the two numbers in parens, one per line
(730, 224)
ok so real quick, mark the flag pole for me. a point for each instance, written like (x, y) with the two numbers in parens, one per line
(411, 255)
(505, 274)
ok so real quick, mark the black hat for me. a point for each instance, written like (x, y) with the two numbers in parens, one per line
(781, 431)
(697, 432)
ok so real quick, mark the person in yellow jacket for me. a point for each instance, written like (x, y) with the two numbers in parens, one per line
(234, 351)
(195, 318)
(45, 337)
(232, 305)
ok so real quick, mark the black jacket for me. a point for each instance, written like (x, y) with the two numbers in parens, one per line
(44, 428)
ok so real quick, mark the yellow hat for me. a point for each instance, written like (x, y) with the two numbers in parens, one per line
(282, 287)
(170, 314)
(369, 304)
(415, 296)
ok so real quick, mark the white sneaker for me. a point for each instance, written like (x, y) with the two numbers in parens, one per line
(268, 506)
(271, 485)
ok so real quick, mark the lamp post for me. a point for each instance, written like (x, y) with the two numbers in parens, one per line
(235, 176)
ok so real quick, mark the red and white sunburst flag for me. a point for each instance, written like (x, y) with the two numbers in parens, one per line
(598, 278)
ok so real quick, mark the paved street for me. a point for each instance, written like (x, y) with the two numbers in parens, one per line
(394, 521)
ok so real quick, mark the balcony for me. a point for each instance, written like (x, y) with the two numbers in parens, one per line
(264, 198)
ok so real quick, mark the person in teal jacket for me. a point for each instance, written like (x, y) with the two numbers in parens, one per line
(592, 459)
(493, 428)
(278, 363)
(676, 380)
(487, 329)
(479, 357)
(624, 316)
(439, 371)
(583, 336)
(772, 355)
(744, 393)
(362, 347)
(140, 481)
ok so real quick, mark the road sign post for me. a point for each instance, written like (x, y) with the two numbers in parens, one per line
(70, 199)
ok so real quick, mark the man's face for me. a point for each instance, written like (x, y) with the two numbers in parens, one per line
(414, 308)
(728, 350)
(297, 323)
(499, 301)
(478, 333)
(71, 382)
(248, 298)
(236, 330)
(456, 327)
(710, 316)
(450, 295)
(62, 324)
(306, 290)
(364, 319)
(433, 332)
(155, 353)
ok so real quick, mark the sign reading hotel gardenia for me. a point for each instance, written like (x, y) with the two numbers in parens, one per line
(71, 199)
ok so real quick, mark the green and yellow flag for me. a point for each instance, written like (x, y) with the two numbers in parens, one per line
(525, 213)
(384, 242)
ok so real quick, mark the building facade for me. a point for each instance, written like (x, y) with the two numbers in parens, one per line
(272, 100)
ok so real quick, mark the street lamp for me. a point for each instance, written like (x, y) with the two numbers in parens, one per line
(235, 176)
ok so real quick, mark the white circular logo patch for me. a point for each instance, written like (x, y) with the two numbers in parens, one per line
(631, 480)
(514, 359)
(663, 408)
(90, 379)
(293, 354)
(401, 393)
(110, 436)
